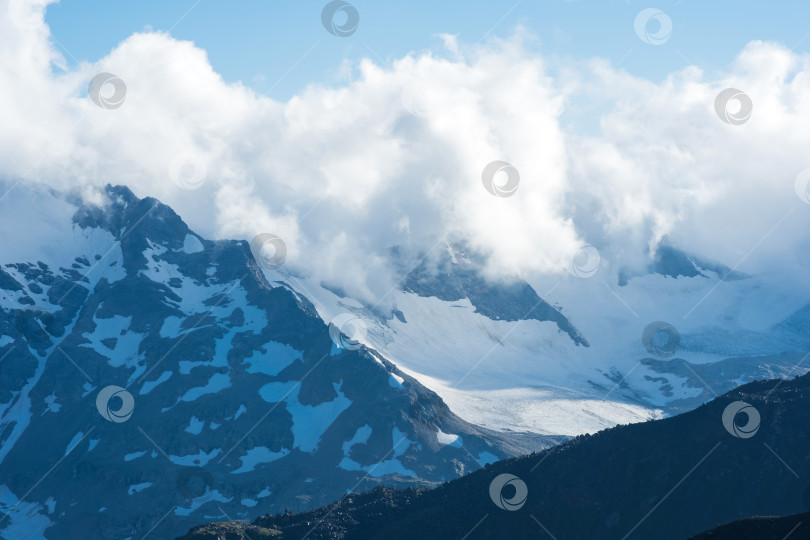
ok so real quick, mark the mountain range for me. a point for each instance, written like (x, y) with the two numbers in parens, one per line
(152, 379)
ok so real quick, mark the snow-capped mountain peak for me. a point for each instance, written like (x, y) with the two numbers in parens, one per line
(164, 375)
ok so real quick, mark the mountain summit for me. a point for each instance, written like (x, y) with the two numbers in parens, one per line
(152, 379)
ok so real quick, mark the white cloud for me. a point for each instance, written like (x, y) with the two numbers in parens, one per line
(394, 157)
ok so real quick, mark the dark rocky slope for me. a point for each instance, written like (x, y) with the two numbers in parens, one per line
(795, 527)
(667, 479)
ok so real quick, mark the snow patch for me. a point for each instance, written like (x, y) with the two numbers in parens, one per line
(134, 455)
(200, 459)
(360, 437)
(277, 357)
(25, 519)
(258, 455)
(171, 327)
(195, 426)
(73, 442)
(87, 387)
(401, 443)
(52, 405)
(124, 351)
(451, 439)
(217, 382)
(208, 496)
(136, 488)
(192, 244)
(485, 458)
(310, 422)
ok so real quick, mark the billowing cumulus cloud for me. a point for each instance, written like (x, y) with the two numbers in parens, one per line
(395, 157)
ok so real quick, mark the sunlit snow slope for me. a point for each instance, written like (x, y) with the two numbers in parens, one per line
(568, 356)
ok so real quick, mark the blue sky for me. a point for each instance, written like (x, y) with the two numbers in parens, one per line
(277, 47)
(605, 159)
